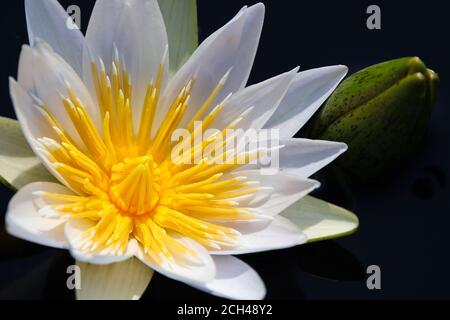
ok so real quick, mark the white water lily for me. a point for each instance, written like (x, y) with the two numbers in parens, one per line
(99, 111)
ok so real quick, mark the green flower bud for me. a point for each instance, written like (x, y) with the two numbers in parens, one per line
(382, 114)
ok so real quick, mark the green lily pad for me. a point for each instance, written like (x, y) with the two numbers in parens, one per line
(321, 220)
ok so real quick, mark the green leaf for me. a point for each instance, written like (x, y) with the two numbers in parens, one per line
(18, 164)
(180, 17)
(321, 220)
(125, 280)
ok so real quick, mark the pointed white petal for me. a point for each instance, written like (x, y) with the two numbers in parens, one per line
(305, 157)
(180, 18)
(301, 157)
(28, 115)
(23, 220)
(320, 220)
(231, 49)
(234, 280)
(25, 72)
(32, 125)
(76, 233)
(280, 234)
(183, 267)
(19, 165)
(278, 191)
(43, 76)
(248, 46)
(307, 93)
(48, 21)
(125, 280)
(51, 76)
(136, 29)
(262, 99)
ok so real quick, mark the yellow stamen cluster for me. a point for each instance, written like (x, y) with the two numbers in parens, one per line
(125, 180)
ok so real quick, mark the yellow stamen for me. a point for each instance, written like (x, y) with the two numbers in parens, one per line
(126, 183)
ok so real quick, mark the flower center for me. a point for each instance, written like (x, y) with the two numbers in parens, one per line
(135, 185)
(125, 181)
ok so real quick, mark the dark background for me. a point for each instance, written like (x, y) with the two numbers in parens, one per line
(405, 216)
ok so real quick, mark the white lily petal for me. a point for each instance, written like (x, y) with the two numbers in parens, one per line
(320, 220)
(296, 156)
(48, 21)
(280, 234)
(76, 231)
(19, 165)
(305, 157)
(307, 93)
(180, 18)
(183, 267)
(261, 99)
(258, 223)
(125, 280)
(234, 280)
(136, 29)
(31, 119)
(23, 220)
(286, 189)
(25, 72)
(51, 78)
(230, 50)
(33, 125)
